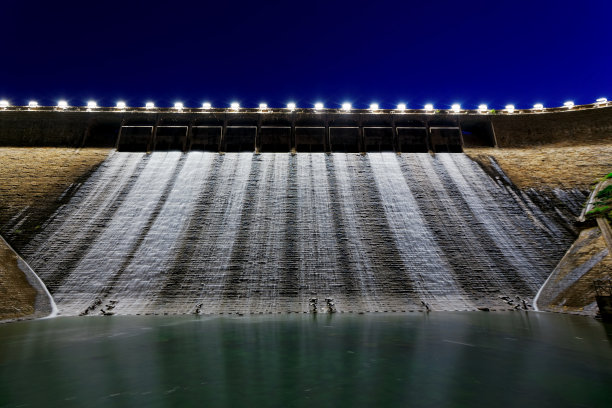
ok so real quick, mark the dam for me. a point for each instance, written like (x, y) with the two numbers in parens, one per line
(259, 213)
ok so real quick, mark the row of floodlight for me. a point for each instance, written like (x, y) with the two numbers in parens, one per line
(291, 106)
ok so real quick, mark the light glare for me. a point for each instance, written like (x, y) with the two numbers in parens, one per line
(569, 104)
(456, 108)
(92, 105)
(149, 105)
(373, 106)
(429, 107)
(62, 104)
(318, 106)
(510, 108)
(235, 105)
(291, 106)
(401, 107)
(4, 103)
(32, 104)
(602, 100)
(482, 108)
(121, 105)
(538, 106)
(206, 105)
(346, 106)
(178, 105)
(263, 106)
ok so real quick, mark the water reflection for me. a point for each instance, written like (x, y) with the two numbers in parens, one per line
(437, 359)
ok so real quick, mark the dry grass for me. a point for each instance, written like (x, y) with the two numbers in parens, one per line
(551, 166)
(37, 177)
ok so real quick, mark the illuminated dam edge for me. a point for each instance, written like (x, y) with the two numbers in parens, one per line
(170, 232)
(298, 131)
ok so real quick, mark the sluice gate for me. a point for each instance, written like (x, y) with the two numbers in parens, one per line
(347, 138)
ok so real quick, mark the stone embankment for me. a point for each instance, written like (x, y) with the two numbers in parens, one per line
(35, 182)
(23, 294)
(570, 287)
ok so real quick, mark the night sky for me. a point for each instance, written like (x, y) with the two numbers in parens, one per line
(416, 52)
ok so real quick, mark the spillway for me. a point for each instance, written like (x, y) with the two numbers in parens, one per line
(170, 232)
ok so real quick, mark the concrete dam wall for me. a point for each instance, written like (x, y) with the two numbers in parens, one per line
(305, 130)
(199, 232)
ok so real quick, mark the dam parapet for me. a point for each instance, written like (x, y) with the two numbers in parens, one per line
(306, 130)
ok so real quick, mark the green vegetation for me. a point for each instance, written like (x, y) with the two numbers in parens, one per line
(603, 206)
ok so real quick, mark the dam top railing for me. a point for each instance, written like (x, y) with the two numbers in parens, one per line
(5, 106)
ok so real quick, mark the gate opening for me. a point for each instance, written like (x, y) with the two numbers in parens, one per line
(344, 139)
(446, 139)
(169, 138)
(378, 139)
(135, 139)
(310, 139)
(239, 139)
(275, 139)
(205, 138)
(412, 140)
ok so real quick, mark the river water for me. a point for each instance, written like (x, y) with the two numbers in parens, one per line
(459, 359)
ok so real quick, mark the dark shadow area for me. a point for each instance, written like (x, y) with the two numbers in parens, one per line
(446, 139)
(344, 139)
(412, 140)
(310, 139)
(101, 135)
(239, 139)
(205, 138)
(477, 134)
(379, 139)
(275, 139)
(135, 139)
(171, 138)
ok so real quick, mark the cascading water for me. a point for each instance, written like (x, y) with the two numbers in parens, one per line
(245, 233)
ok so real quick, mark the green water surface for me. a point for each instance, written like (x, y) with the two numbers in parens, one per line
(453, 359)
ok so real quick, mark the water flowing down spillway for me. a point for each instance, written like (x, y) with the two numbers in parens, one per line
(201, 232)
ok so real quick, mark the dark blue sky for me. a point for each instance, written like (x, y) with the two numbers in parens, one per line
(470, 52)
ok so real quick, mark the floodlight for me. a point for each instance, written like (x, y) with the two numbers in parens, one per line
(456, 108)
(346, 107)
(235, 105)
(4, 103)
(291, 106)
(538, 106)
(569, 104)
(429, 107)
(62, 104)
(121, 105)
(206, 105)
(318, 106)
(263, 106)
(483, 108)
(149, 105)
(373, 106)
(178, 105)
(92, 105)
(601, 100)
(401, 107)
(510, 108)
(32, 104)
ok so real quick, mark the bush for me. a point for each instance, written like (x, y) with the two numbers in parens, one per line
(605, 194)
